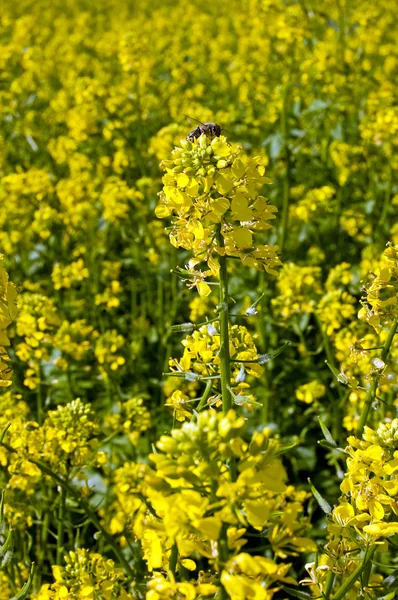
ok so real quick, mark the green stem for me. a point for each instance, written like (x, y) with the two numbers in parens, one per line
(173, 559)
(371, 395)
(205, 396)
(329, 584)
(341, 594)
(60, 528)
(42, 548)
(225, 361)
(223, 555)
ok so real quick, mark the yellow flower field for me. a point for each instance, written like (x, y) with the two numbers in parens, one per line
(198, 300)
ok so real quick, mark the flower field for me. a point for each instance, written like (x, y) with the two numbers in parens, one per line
(199, 300)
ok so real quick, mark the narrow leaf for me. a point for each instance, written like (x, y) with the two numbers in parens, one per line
(264, 358)
(24, 593)
(325, 506)
(327, 435)
(6, 428)
(8, 544)
(297, 593)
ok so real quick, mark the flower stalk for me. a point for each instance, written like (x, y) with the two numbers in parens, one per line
(225, 359)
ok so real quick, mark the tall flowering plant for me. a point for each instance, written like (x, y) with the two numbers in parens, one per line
(212, 191)
(226, 483)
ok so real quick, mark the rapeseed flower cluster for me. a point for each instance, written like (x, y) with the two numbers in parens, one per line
(209, 182)
(86, 575)
(7, 315)
(187, 504)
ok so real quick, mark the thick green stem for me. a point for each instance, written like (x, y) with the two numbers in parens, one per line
(329, 584)
(61, 528)
(371, 395)
(223, 555)
(225, 361)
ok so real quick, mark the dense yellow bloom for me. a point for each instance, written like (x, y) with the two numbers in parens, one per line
(299, 290)
(192, 498)
(160, 588)
(381, 302)
(107, 352)
(76, 339)
(86, 576)
(67, 439)
(92, 98)
(248, 576)
(370, 485)
(334, 308)
(35, 324)
(314, 203)
(8, 312)
(210, 182)
(128, 484)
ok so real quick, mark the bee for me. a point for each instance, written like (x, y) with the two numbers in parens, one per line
(209, 129)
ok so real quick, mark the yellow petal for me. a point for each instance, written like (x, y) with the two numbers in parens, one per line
(182, 180)
(242, 237)
(379, 529)
(203, 288)
(219, 206)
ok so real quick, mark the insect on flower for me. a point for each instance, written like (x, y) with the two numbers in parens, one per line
(209, 129)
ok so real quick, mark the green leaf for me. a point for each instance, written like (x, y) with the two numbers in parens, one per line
(286, 448)
(326, 444)
(6, 428)
(325, 506)
(327, 435)
(2, 507)
(183, 328)
(297, 593)
(342, 377)
(264, 358)
(24, 593)
(8, 544)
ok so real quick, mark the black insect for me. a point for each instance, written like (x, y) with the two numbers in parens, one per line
(209, 129)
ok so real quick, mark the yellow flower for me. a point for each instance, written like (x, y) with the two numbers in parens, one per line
(177, 401)
(310, 391)
(209, 182)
